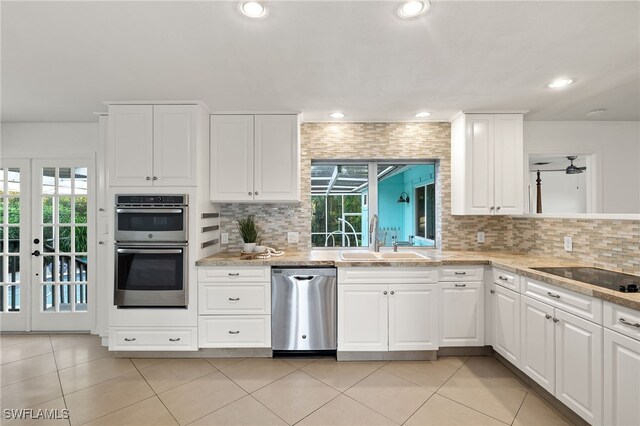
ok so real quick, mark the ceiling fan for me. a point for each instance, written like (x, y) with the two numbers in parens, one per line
(570, 170)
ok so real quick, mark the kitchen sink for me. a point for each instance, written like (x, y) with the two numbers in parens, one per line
(358, 255)
(401, 255)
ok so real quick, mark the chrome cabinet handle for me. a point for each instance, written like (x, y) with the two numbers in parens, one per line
(393, 292)
(492, 291)
(461, 285)
(556, 320)
(234, 332)
(547, 316)
(631, 324)
(129, 339)
(148, 178)
(461, 273)
(171, 339)
(503, 278)
(234, 275)
(234, 299)
(384, 292)
(557, 296)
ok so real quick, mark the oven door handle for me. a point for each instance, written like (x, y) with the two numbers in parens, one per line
(149, 251)
(169, 211)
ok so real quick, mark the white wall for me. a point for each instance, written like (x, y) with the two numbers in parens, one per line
(561, 193)
(616, 144)
(48, 140)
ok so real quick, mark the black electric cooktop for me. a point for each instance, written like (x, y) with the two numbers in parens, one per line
(599, 277)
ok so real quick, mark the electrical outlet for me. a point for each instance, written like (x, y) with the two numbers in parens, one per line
(480, 237)
(568, 243)
(293, 237)
(224, 238)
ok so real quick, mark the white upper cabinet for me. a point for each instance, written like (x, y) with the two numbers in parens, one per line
(152, 145)
(255, 158)
(487, 164)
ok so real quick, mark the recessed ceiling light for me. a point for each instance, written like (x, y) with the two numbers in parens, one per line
(560, 83)
(596, 111)
(253, 9)
(336, 115)
(423, 114)
(413, 8)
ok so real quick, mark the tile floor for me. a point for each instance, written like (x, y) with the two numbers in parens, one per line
(74, 372)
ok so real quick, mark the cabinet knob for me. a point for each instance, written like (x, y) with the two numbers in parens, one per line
(156, 178)
(556, 320)
(498, 208)
(250, 193)
(492, 291)
(100, 209)
(148, 178)
(101, 243)
(384, 292)
(256, 193)
(547, 316)
(393, 292)
(491, 208)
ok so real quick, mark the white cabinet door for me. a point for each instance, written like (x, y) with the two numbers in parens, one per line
(461, 319)
(413, 317)
(538, 343)
(508, 164)
(174, 149)
(362, 317)
(480, 165)
(231, 158)
(621, 379)
(276, 160)
(130, 134)
(506, 324)
(579, 366)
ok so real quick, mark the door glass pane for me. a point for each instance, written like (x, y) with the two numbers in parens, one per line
(64, 268)
(1, 181)
(47, 268)
(13, 181)
(64, 182)
(65, 298)
(81, 180)
(13, 275)
(14, 210)
(1, 298)
(81, 297)
(14, 239)
(47, 209)
(13, 298)
(64, 210)
(81, 239)
(48, 298)
(48, 240)
(81, 209)
(2, 210)
(48, 180)
(64, 239)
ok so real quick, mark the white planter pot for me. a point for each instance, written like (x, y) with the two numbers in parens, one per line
(248, 247)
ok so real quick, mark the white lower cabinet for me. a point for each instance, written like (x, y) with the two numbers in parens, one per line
(538, 343)
(621, 379)
(461, 314)
(377, 314)
(506, 323)
(234, 331)
(152, 339)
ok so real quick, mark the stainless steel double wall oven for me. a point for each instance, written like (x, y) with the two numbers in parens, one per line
(151, 233)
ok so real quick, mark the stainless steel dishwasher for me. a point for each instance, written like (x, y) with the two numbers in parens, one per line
(303, 309)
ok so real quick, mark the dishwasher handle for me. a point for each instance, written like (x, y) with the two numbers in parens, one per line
(305, 278)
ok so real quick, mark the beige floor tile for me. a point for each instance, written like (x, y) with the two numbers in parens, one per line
(221, 363)
(535, 411)
(439, 410)
(244, 412)
(253, 373)
(93, 372)
(428, 374)
(31, 392)
(344, 411)
(62, 341)
(490, 392)
(200, 397)
(301, 362)
(341, 375)
(389, 395)
(27, 368)
(16, 339)
(454, 361)
(54, 411)
(29, 349)
(295, 396)
(75, 355)
(150, 412)
(96, 401)
(141, 363)
(175, 372)
(488, 368)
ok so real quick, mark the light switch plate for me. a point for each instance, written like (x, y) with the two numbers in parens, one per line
(224, 238)
(568, 243)
(480, 237)
(293, 237)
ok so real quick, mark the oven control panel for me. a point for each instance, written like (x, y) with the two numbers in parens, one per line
(151, 199)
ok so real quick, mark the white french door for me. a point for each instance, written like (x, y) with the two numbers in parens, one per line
(47, 245)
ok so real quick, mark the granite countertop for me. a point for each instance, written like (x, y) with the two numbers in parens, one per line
(520, 263)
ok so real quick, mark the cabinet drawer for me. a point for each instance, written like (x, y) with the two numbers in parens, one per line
(240, 298)
(377, 275)
(584, 306)
(623, 320)
(153, 339)
(246, 331)
(238, 274)
(462, 273)
(506, 279)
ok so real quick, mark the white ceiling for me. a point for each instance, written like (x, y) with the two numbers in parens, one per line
(61, 59)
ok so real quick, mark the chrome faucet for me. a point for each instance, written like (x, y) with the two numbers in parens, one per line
(395, 243)
(373, 232)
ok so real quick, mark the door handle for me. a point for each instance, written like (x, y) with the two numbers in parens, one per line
(557, 296)
(36, 253)
(234, 332)
(461, 285)
(234, 299)
(625, 322)
(461, 273)
(171, 339)
(129, 339)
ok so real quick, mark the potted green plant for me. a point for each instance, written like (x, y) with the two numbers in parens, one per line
(249, 232)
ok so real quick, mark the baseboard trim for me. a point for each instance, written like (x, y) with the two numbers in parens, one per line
(387, 356)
